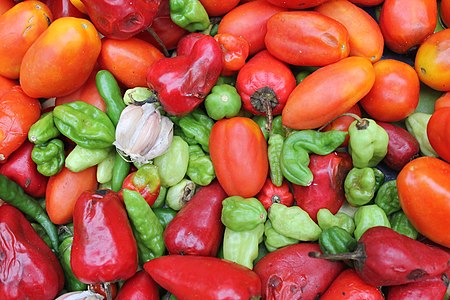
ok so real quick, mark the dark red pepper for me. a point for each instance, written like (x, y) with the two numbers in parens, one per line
(197, 229)
(104, 248)
(183, 82)
(63, 8)
(429, 289)
(326, 189)
(270, 193)
(139, 287)
(29, 268)
(145, 181)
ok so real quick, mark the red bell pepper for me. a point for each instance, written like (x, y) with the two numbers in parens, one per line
(184, 81)
(145, 181)
(29, 268)
(139, 287)
(203, 277)
(23, 170)
(104, 248)
(270, 193)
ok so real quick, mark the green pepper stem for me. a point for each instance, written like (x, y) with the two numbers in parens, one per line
(358, 255)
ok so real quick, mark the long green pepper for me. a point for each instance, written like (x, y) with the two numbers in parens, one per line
(274, 149)
(109, 90)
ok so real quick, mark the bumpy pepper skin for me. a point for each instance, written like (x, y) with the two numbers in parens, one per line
(200, 168)
(274, 240)
(30, 270)
(43, 130)
(335, 240)
(189, 14)
(173, 164)
(368, 143)
(400, 223)
(270, 193)
(241, 214)
(368, 216)
(326, 219)
(387, 197)
(360, 186)
(197, 125)
(71, 282)
(49, 157)
(274, 148)
(223, 102)
(84, 124)
(145, 181)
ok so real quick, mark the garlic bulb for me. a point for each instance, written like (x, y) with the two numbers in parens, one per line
(143, 133)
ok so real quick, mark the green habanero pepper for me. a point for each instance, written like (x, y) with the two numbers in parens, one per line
(84, 124)
(139, 96)
(387, 197)
(326, 219)
(360, 186)
(293, 222)
(334, 240)
(173, 164)
(189, 14)
(368, 143)
(43, 130)
(416, 124)
(145, 222)
(274, 148)
(49, 157)
(401, 224)
(81, 158)
(178, 195)
(109, 90)
(197, 125)
(242, 214)
(165, 215)
(105, 168)
(71, 283)
(296, 149)
(369, 216)
(275, 240)
(200, 168)
(223, 102)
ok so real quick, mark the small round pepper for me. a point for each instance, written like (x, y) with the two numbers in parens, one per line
(49, 157)
(223, 102)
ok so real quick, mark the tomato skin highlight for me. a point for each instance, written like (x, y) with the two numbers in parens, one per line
(438, 131)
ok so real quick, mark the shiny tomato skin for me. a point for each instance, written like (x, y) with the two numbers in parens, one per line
(438, 132)
(235, 50)
(395, 93)
(239, 155)
(328, 92)
(295, 4)
(442, 101)
(445, 12)
(61, 59)
(19, 29)
(216, 8)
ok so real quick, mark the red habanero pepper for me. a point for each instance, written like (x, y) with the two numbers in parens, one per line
(29, 268)
(270, 193)
(104, 248)
(183, 82)
(145, 181)
(139, 287)
(235, 52)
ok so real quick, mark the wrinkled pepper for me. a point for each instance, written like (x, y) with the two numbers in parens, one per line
(335, 240)
(189, 14)
(179, 194)
(368, 216)
(84, 124)
(197, 125)
(242, 214)
(270, 193)
(274, 148)
(296, 149)
(326, 219)
(387, 197)
(43, 130)
(81, 158)
(276, 127)
(49, 157)
(416, 123)
(361, 184)
(71, 282)
(200, 168)
(274, 240)
(145, 181)
(368, 142)
(400, 223)
(223, 102)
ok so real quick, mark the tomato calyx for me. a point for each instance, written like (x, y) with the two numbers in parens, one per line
(265, 100)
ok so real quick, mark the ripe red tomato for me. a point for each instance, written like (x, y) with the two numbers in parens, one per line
(6, 85)
(239, 155)
(295, 4)
(442, 101)
(216, 8)
(438, 132)
(445, 12)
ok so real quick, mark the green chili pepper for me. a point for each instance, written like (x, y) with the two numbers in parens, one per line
(360, 186)
(275, 240)
(242, 214)
(105, 168)
(387, 197)
(43, 130)
(223, 102)
(84, 124)
(189, 14)
(242, 246)
(296, 149)
(379, 178)
(293, 222)
(173, 164)
(121, 169)
(275, 146)
(41, 232)
(165, 215)
(400, 223)
(109, 90)
(369, 216)
(161, 199)
(334, 240)
(12, 193)
(200, 168)
(416, 124)
(71, 283)
(368, 143)
(81, 158)
(326, 219)
(179, 194)
(197, 125)
(147, 227)
(49, 157)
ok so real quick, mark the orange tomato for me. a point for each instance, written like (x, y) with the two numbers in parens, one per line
(395, 93)
(445, 12)
(365, 38)
(60, 61)
(424, 194)
(295, 4)
(239, 155)
(432, 61)
(328, 92)
(6, 84)
(63, 190)
(19, 29)
(128, 60)
(216, 8)
(442, 101)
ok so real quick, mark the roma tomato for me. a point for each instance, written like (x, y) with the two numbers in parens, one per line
(424, 194)
(239, 155)
(432, 61)
(63, 190)
(60, 61)
(128, 60)
(445, 12)
(216, 8)
(235, 52)
(295, 4)
(407, 23)
(17, 113)
(249, 21)
(438, 132)
(19, 29)
(306, 38)
(395, 93)
(365, 38)
(328, 92)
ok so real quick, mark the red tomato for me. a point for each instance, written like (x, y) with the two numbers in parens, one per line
(306, 38)
(395, 93)
(424, 194)
(445, 12)
(249, 21)
(6, 85)
(235, 52)
(216, 8)
(19, 29)
(438, 132)
(239, 155)
(5, 5)
(442, 101)
(63, 190)
(295, 4)
(342, 123)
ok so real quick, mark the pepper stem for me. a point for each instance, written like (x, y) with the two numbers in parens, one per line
(358, 256)
(107, 288)
(347, 114)
(159, 41)
(264, 100)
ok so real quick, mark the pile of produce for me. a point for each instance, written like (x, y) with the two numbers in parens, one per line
(206, 149)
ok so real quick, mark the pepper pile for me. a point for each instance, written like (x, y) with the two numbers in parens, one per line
(204, 149)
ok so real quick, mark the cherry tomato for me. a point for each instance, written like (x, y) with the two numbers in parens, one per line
(445, 12)
(342, 123)
(424, 194)
(438, 132)
(395, 93)
(235, 52)
(216, 8)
